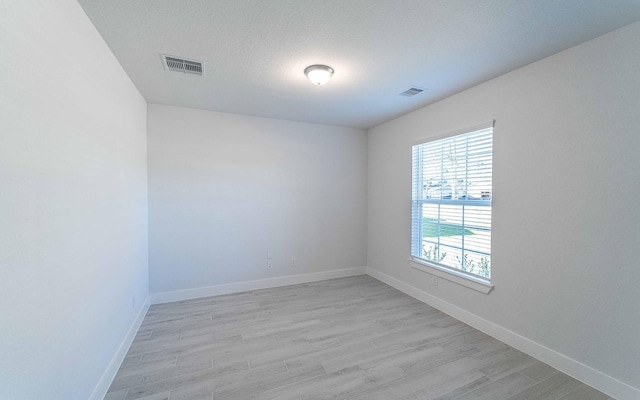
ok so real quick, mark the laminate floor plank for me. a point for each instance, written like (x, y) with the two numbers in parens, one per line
(350, 338)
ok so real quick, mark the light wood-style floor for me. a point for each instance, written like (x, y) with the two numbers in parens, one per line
(351, 338)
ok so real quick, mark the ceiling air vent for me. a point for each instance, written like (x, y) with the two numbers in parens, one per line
(412, 91)
(183, 65)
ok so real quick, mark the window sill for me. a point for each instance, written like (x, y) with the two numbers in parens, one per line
(476, 283)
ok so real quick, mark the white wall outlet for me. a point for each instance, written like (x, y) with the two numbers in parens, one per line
(269, 266)
(434, 280)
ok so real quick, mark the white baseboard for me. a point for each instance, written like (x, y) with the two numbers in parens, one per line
(107, 377)
(599, 380)
(178, 295)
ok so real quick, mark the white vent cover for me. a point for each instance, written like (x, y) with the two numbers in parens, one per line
(412, 91)
(183, 65)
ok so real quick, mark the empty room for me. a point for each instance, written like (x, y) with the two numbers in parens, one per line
(305, 200)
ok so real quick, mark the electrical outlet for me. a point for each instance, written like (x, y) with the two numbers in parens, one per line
(434, 280)
(269, 266)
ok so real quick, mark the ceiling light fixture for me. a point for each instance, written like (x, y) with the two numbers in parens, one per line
(318, 74)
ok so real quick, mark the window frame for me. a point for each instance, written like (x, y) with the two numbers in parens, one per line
(452, 274)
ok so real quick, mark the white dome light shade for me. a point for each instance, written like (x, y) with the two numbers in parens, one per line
(318, 74)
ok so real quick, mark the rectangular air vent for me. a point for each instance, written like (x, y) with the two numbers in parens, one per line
(412, 91)
(183, 65)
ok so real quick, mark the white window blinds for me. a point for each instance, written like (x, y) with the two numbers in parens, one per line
(451, 202)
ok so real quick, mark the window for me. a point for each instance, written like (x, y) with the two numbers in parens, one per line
(451, 203)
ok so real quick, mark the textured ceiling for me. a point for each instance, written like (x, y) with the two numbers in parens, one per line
(255, 51)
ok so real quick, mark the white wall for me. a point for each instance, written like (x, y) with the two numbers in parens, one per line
(224, 189)
(73, 224)
(566, 222)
